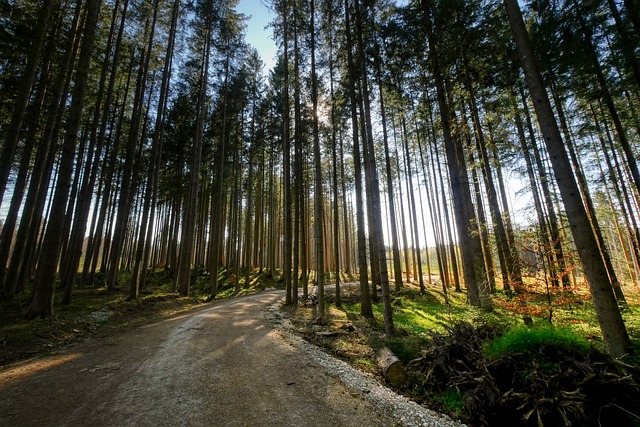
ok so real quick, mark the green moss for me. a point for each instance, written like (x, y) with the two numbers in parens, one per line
(529, 341)
(451, 400)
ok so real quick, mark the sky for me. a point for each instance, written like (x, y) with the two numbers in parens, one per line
(256, 34)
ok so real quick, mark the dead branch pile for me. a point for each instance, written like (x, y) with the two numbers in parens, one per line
(552, 387)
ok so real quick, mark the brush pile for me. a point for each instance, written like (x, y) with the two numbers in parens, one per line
(535, 379)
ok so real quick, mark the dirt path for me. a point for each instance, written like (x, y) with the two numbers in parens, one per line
(216, 366)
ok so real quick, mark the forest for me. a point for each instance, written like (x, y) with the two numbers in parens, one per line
(476, 148)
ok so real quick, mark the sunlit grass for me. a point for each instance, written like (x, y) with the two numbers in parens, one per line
(451, 400)
(366, 365)
(529, 340)
(569, 308)
(416, 316)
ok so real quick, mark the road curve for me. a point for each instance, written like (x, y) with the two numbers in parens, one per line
(221, 365)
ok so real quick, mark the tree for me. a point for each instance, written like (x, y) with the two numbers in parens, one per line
(183, 277)
(24, 92)
(43, 287)
(611, 324)
(145, 240)
(365, 298)
(468, 236)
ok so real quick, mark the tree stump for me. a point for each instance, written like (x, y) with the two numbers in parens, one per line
(392, 369)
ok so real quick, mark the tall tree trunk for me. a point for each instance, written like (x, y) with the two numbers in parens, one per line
(397, 266)
(43, 287)
(127, 188)
(297, 167)
(611, 323)
(217, 218)
(630, 261)
(183, 279)
(446, 223)
(20, 265)
(24, 93)
(621, 191)
(142, 256)
(482, 219)
(11, 219)
(463, 207)
(365, 298)
(286, 162)
(543, 225)
(403, 228)
(373, 240)
(334, 153)
(560, 264)
(586, 196)
(318, 200)
(249, 256)
(345, 215)
(104, 124)
(97, 142)
(373, 172)
(508, 256)
(412, 203)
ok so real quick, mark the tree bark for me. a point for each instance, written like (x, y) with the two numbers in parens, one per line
(611, 323)
(43, 288)
(468, 238)
(365, 298)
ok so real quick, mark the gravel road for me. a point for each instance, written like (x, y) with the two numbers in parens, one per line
(232, 363)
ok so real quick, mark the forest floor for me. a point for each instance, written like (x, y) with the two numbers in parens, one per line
(93, 313)
(219, 364)
(548, 375)
(101, 340)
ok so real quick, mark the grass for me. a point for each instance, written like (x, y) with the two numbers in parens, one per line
(417, 316)
(568, 322)
(451, 400)
(528, 341)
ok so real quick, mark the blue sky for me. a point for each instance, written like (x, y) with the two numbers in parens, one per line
(257, 36)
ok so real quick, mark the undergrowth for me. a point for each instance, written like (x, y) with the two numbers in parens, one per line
(486, 368)
(537, 377)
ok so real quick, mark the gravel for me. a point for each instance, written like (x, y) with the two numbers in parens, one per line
(99, 316)
(387, 402)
